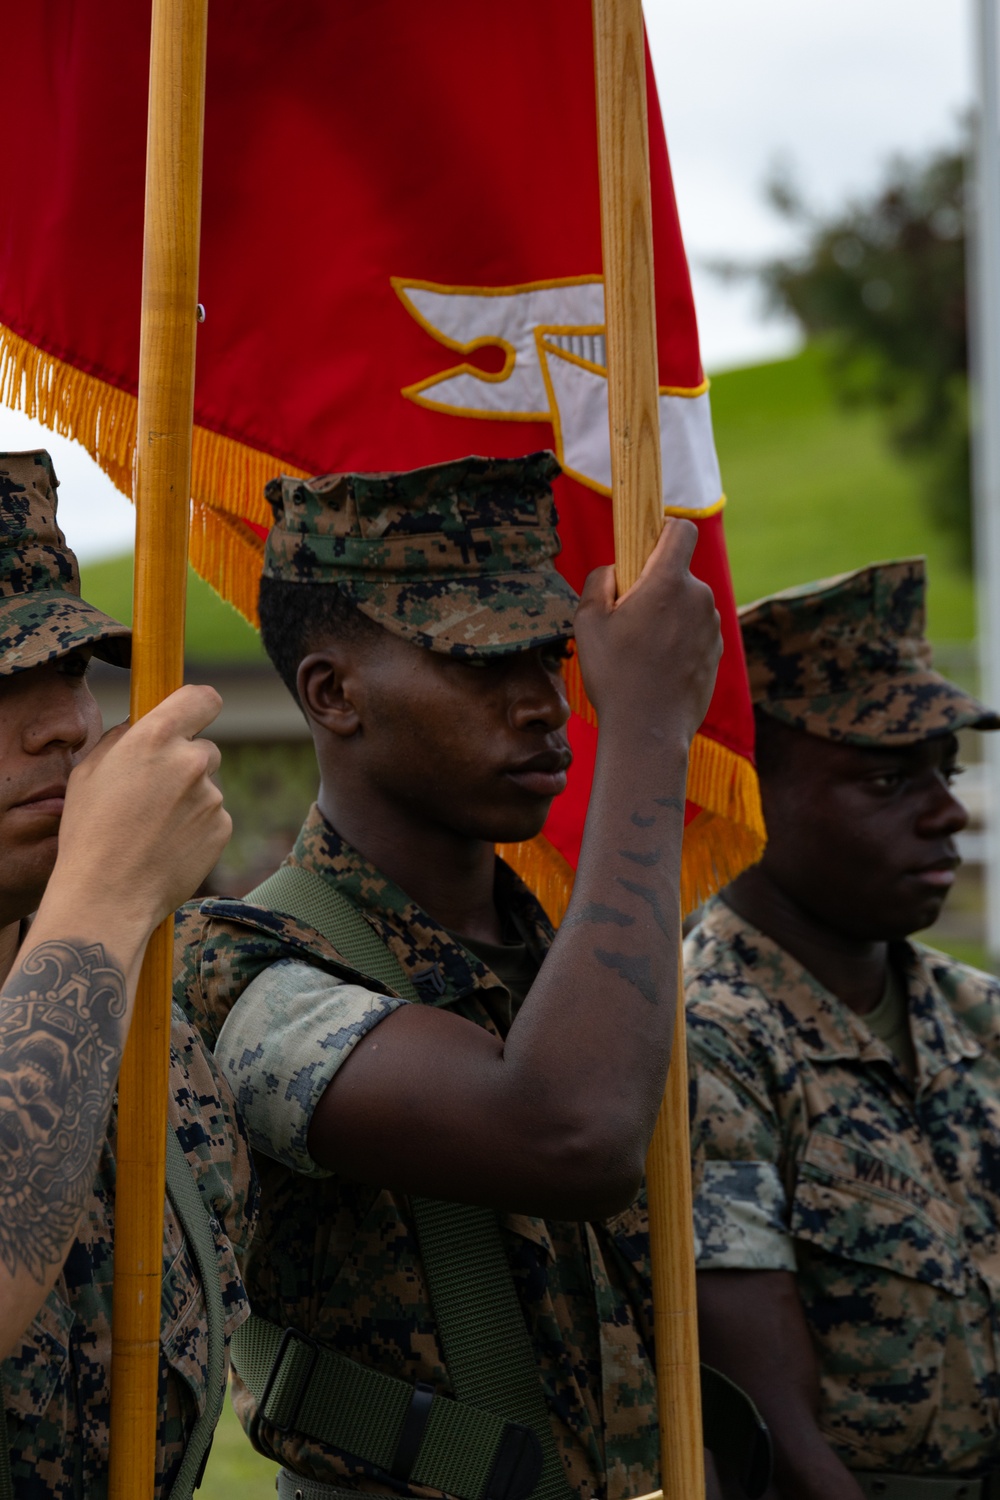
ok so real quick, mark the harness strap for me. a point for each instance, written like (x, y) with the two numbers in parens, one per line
(302, 1387)
(192, 1211)
(486, 1346)
(307, 897)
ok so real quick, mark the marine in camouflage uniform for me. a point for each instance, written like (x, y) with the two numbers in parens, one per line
(56, 1380)
(859, 1154)
(455, 559)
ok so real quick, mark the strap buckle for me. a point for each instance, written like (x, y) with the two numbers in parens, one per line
(288, 1403)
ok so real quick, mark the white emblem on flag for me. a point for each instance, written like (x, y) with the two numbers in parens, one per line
(555, 370)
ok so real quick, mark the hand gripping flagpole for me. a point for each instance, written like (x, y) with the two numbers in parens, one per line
(162, 498)
(637, 498)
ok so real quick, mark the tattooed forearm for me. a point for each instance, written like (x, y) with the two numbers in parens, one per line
(648, 894)
(62, 1016)
(596, 912)
(648, 860)
(633, 968)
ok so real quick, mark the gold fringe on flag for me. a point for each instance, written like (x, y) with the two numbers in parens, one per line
(227, 484)
(227, 477)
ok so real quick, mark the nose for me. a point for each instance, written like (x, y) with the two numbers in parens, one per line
(943, 814)
(65, 717)
(538, 694)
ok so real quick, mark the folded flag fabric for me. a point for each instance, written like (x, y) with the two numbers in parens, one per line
(401, 264)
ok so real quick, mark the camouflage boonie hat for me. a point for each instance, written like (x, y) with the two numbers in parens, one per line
(846, 659)
(41, 613)
(456, 557)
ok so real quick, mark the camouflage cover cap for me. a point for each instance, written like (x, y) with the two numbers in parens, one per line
(456, 557)
(41, 613)
(846, 659)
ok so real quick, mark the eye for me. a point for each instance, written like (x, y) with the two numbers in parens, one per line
(554, 655)
(886, 781)
(951, 772)
(75, 664)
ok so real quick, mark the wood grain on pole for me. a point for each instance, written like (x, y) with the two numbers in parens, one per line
(637, 498)
(162, 497)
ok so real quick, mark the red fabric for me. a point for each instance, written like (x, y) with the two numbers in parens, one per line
(344, 145)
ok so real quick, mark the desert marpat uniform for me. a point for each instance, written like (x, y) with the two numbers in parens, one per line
(812, 1154)
(339, 1260)
(56, 1381)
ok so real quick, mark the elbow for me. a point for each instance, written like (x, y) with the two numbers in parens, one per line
(590, 1170)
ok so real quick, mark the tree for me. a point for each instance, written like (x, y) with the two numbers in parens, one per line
(882, 284)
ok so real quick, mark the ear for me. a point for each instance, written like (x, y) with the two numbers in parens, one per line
(327, 686)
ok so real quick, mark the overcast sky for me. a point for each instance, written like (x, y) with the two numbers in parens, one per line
(831, 87)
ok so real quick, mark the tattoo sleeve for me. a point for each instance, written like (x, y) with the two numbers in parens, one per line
(61, 1034)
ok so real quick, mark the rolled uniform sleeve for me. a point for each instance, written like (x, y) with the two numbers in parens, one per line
(740, 1206)
(281, 1045)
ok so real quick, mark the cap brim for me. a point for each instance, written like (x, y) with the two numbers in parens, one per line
(898, 710)
(490, 616)
(38, 627)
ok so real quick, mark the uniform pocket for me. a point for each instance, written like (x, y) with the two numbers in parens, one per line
(871, 1211)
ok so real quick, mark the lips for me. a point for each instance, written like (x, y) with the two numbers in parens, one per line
(47, 802)
(938, 873)
(543, 775)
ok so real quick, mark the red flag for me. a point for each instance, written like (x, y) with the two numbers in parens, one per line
(401, 264)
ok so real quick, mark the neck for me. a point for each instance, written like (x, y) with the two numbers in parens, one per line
(853, 969)
(10, 941)
(448, 874)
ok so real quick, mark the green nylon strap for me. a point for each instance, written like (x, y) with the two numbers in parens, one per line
(486, 1346)
(325, 1396)
(307, 897)
(192, 1210)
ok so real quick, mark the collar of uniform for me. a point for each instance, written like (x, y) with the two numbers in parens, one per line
(441, 969)
(830, 1030)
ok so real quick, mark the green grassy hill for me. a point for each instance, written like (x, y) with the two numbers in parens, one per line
(813, 489)
(215, 630)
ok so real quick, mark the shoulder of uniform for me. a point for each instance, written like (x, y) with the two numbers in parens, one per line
(972, 994)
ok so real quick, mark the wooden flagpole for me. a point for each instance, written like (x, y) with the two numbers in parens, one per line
(637, 498)
(162, 498)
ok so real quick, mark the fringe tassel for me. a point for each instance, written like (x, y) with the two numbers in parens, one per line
(227, 477)
(544, 871)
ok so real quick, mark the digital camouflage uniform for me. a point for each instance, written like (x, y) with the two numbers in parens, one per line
(812, 1152)
(56, 1380)
(336, 1259)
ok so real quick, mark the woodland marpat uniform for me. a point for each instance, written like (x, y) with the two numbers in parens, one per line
(813, 1154)
(41, 613)
(846, 659)
(339, 1260)
(455, 557)
(56, 1382)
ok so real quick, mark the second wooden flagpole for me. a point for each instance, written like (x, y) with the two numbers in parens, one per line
(162, 497)
(637, 498)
